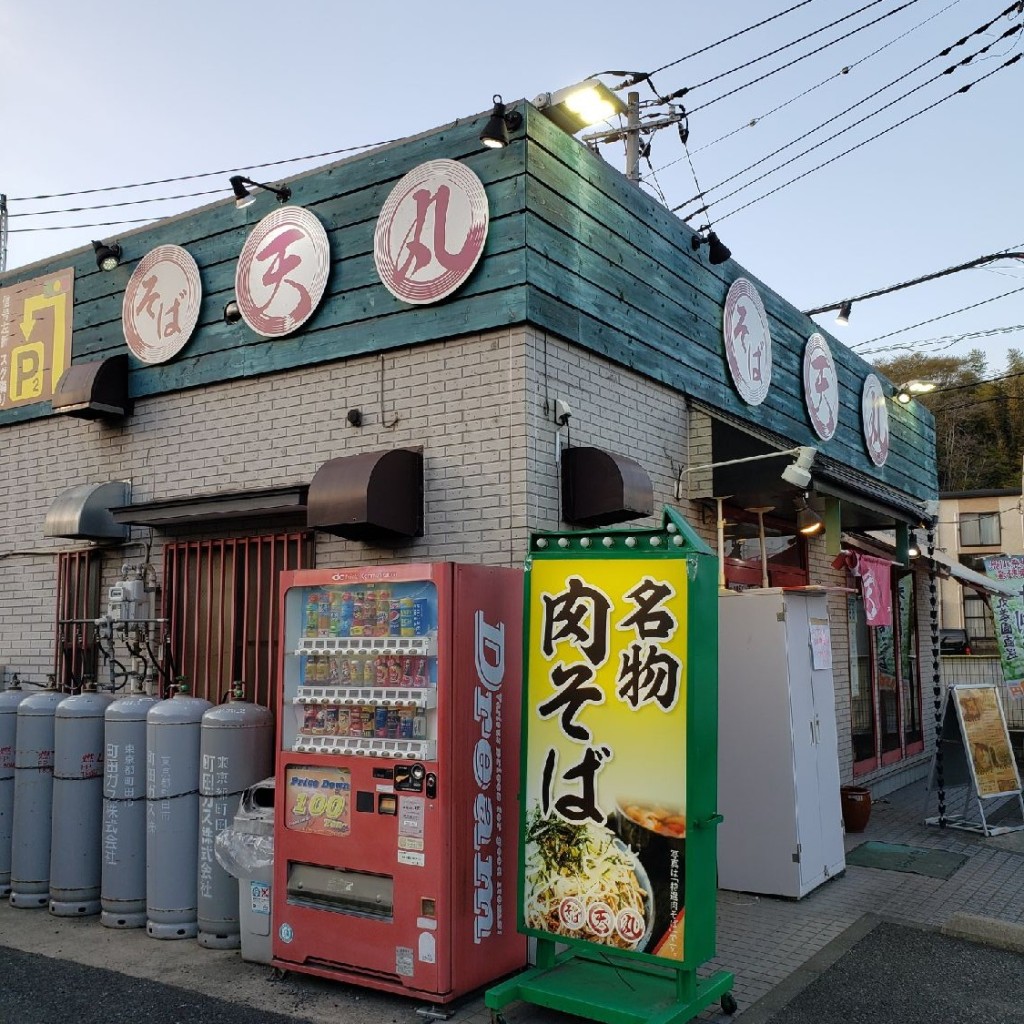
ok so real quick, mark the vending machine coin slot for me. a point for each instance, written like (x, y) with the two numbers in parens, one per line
(383, 773)
(365, 802)
(409, 777)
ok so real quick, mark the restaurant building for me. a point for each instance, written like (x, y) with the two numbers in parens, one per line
(427, 352)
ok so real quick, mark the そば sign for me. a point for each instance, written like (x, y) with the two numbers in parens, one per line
(160, 308)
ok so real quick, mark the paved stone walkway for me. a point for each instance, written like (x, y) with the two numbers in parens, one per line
(762, 940)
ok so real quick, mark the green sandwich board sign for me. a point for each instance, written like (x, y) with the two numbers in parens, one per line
(618, 817)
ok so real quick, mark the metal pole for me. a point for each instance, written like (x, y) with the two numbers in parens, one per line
(633, 137)
(3, 232)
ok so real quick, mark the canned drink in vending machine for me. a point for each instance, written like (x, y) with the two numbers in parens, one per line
(421, 617)
(380, 723)
(405, 613)
(383, 619)
(343, 719)
(394, 618)
(345, 613)
(358, 615)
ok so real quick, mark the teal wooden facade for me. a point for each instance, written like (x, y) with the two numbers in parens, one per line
(573, 248)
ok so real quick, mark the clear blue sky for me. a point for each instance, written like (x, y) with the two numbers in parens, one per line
(95, 95)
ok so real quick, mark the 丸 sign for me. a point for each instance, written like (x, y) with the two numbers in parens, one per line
(431, 231)
(35, 337)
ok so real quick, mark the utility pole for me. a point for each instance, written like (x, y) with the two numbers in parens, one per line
(633, 137)
(3, 232)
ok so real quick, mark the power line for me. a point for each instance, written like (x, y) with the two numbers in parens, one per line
(943, 53)
(852, 149)
(206, 174)
(923, 323)
(969, 265)
(797, 60)
(842, 131)
(754, 121)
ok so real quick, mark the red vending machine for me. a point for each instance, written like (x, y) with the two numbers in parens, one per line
(396, 819)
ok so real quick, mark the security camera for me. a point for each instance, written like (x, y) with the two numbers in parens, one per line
(562, 412)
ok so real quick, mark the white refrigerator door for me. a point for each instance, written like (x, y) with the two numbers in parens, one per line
(757, 842)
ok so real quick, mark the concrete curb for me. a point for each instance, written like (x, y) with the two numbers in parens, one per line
(987, 930)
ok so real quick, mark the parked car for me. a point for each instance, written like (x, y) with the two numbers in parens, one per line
(954, 641)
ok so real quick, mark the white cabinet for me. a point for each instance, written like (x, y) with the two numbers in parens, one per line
(778, 762)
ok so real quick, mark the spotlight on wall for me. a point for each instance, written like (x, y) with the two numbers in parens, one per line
(808, 521)
(579, 106)
(906, 392)
(718, 252)
(243, 197)
(843, 316)
(799, 473)
(500, 123)
(232, 314)
(107, 256)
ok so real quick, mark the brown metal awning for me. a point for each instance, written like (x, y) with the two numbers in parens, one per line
(93, 391)
(374, 496)
(600, 488)
(270, 503)
(84, 512)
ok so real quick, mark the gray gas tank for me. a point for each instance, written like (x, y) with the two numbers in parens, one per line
(172, 815)
(123, 868)
(236, 750)
(33, 800)
(77, 803)
(9, 701)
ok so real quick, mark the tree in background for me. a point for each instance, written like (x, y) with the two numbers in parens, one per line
(979, 423)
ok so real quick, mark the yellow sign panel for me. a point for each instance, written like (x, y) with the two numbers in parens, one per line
(605, 797)
(317, 800)
(35, 337)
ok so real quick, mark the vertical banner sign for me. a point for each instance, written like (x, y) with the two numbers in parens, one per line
(1008, 613)
(35, 337)
(606, 749)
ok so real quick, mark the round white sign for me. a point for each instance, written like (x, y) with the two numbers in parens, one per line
(431, 231)
(161, 304)
(748, 344)
(282, 271)
(875, 417)
(821, 387)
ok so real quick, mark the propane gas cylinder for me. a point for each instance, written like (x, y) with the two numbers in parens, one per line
(77, 803)
(123, 871)
(172, 815)
(236, 750)
(9, 701)
(33, 799)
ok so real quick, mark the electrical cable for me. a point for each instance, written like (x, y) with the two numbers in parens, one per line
(797, 60)
(899, 124)
(754, 121)
(842, 131)
(946, 340)
(206, 174)
(858, 347)
(640, 76)
(943, 53)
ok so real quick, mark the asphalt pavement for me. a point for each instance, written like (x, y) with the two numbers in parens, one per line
(880, 971)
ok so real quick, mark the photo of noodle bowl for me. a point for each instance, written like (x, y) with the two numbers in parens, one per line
(582, 881)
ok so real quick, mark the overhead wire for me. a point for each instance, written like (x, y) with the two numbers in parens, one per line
(855, 124)
(845, 70)
(899, 124)
(835, 117)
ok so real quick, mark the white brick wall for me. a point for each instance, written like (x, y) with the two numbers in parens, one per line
(482, 408)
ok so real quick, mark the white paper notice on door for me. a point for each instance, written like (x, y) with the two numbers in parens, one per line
(821, 644)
